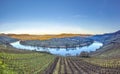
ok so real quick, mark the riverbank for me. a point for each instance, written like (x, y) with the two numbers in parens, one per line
(60, 51)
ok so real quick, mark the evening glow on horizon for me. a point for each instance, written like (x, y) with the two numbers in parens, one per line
(59, 16)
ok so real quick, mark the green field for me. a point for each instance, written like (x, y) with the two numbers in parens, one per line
(24, 63)
(16, 61)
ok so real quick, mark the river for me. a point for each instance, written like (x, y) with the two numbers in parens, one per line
(60, 51)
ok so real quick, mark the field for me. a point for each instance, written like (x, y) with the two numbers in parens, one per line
(41, 63)
(76, 65)
(28, 62)
(24, 63)
(15, 61)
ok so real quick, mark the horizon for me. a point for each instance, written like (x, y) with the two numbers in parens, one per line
(45, 34)
(62, 16)
(58, 33)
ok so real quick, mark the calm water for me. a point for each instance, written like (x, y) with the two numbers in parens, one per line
(61, 51)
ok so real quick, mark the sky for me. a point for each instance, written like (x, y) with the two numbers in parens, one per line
(59, 16)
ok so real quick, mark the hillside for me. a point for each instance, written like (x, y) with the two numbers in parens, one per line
(67, 42)
(43, 37)
(6, 40)
(104, 38)
(111, 46)
(17, 61)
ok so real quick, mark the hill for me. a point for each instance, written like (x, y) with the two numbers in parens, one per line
(111, 46)
(43, 37)
(18, 61)
(67, 42)
(6, 40)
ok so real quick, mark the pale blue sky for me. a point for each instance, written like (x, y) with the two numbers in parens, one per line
(59, 16)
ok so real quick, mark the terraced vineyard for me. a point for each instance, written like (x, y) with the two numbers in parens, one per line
(30, 63)
(76, 65)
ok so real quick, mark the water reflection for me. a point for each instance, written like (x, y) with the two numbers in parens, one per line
(60, 51)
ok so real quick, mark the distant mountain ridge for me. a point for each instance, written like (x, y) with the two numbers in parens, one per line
(44, 37)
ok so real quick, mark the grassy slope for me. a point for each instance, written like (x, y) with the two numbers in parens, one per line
(111, 53)
(107, 56)
(109, 50)
(23, 62)
(111, 47)
(104, 62)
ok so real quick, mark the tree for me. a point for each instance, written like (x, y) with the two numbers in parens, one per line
(66, 45)
(84, 54)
